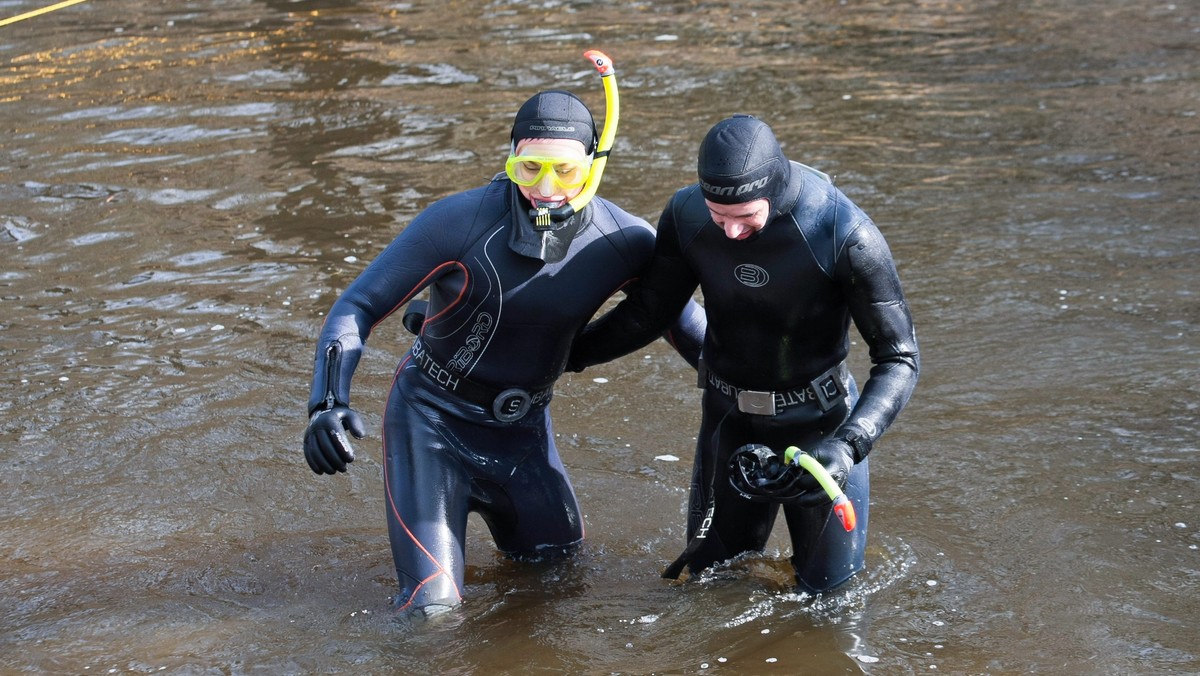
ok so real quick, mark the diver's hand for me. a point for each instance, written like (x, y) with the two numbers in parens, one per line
(574, 366)
(414, 316)
(837, 457)
(326, 447)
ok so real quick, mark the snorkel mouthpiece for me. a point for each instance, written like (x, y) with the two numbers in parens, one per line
(543, 217)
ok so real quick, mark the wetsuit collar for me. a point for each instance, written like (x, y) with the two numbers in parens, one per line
(547, 245)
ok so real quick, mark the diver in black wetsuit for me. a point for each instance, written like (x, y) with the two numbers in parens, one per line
(785, 261)
(467, 425)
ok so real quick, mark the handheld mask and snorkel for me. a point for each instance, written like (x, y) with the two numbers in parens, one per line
(759, 475)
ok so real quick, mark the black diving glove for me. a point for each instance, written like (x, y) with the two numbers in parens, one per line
(573, 366)
(414, 316)
(326, 447)
(837, 457)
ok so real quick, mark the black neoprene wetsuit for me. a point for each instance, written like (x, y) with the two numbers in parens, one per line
(779, 307)
(467, 425)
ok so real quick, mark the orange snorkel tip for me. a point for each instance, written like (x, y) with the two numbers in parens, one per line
(845, 512)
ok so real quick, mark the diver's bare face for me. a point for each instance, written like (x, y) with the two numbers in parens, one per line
(739, 221)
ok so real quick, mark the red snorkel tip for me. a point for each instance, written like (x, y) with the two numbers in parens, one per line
(601, 61)
(845, 512)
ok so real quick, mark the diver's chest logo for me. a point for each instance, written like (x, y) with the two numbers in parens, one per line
(751, 275)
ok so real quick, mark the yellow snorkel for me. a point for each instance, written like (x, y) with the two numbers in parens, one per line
(544, 217)
(841, 504)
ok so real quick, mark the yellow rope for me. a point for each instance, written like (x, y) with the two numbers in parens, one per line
(39, 12)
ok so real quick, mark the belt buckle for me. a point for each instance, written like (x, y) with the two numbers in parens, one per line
(829, 388)
(511, 405)
(756, 403)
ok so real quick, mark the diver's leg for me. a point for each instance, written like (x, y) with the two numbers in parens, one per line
(730, 523)
(426, 500)
(531, 507)
(824, 555)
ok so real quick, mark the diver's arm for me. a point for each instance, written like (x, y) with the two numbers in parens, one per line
(867, 274)
(686, 335)
(661, 298)
(405, 267)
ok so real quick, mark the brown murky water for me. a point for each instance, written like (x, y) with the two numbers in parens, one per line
(185, 187)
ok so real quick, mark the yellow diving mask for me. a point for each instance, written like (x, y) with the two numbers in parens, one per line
(530, 170)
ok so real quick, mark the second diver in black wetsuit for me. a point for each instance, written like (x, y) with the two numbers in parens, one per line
(785, 262)
(467, 424)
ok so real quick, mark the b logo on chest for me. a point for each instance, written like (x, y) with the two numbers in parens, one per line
(751, 275)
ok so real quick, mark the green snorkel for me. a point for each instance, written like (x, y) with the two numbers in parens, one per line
(544, 217)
